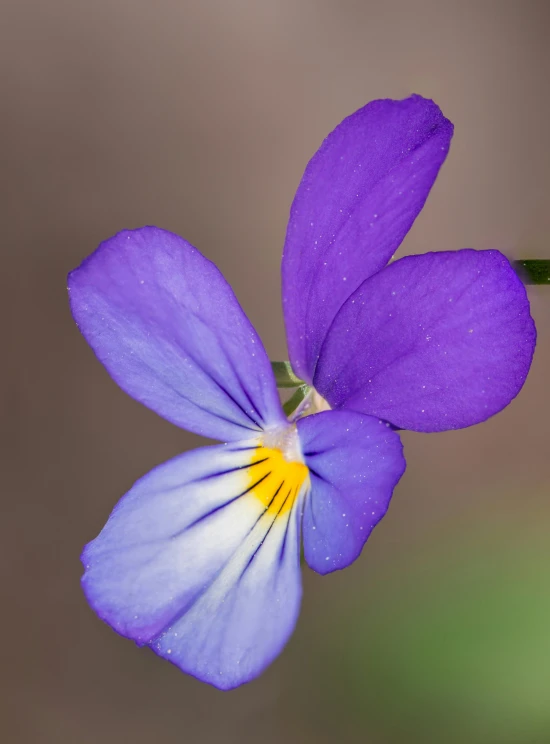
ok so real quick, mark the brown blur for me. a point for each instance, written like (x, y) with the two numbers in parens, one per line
(199, 117)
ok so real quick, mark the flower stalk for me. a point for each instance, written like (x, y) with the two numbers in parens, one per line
(294, 401)
(533, 271)
(284, 375)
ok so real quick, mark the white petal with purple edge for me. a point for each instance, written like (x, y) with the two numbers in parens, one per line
(200, 560)
(244, 619)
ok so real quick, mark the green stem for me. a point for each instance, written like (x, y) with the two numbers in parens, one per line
(294, 401)
(284, 375)
(533, 271)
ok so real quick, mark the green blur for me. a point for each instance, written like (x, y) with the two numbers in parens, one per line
(453, 647)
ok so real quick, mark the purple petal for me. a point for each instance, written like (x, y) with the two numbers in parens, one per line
(355, 462)
(432, 342)
(170, 331)
(193, 563)
(359, 196)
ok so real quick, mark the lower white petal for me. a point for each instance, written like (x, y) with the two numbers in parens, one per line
(200, 560)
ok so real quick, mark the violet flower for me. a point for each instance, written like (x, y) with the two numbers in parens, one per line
(201, 559)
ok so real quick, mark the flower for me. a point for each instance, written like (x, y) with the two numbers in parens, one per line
(200, 560)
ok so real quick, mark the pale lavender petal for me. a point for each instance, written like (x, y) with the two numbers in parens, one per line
(358, 198)
(432, 342)
(355, 462)
(194, 564)
(170, 331)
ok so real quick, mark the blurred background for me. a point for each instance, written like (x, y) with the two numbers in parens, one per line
(199, 117)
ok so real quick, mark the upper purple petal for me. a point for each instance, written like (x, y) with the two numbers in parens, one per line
(358, 198)
(170, 331)
(432, 342)
(355, 462)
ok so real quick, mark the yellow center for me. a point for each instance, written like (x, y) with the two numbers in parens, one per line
(274, 480)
